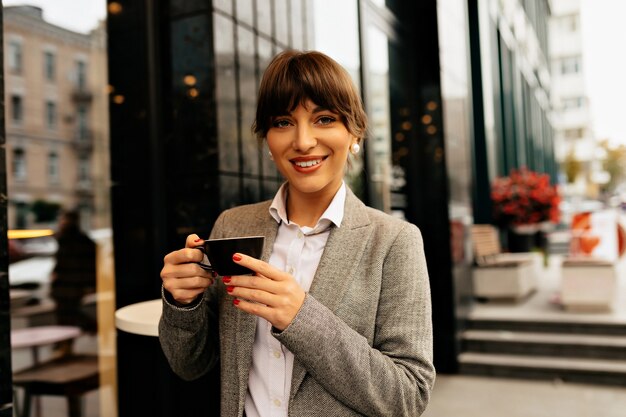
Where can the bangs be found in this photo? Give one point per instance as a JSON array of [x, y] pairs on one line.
[[293, 78], [299, 83]]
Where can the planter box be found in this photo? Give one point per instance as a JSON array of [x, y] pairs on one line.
[[588, 286], [504, 280]]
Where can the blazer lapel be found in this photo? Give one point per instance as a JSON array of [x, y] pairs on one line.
[[336, 270], [263, 225]]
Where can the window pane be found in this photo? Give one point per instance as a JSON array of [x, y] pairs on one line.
[[281, 20], [53, 167], [244, 11], [378, 144], [264, 16], [17, 111], [225, 91], [247, 98], [49, 66], [51, 115], [15, 57]]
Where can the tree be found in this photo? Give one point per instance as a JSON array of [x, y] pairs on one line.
[[615, 164], [572, 166]]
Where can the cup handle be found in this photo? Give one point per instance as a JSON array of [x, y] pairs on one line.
[[207, 266]]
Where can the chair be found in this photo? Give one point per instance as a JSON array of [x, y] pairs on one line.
[[70, 376], [498, 275]]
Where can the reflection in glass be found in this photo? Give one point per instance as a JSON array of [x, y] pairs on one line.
[[247, 97], [264, 17], [226, 93], [281, 21], [244, 11], [379, 141]]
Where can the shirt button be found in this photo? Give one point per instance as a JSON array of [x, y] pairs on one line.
[[277, 402], [290, 270], [300, 235], [276, 354]]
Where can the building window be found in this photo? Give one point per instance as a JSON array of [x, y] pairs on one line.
[[51, 115], [83, 170], [574, 133], [49, 66], [53, 167], [82, 124], [81, 75], [17, 109], [570, 65], [570, 23], [15, 57], [19, 164], [573, 102]]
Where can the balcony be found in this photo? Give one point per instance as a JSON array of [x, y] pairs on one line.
[[83, 140], [81, 94]]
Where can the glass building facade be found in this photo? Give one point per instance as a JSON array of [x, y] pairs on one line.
[[452, 98]]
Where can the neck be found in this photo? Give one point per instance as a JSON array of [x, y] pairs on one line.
[[306, 209]]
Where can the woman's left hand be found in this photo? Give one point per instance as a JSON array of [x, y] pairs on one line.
[[271, 293]]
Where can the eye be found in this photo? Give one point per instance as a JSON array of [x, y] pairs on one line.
[[325, 120], [280, 123]]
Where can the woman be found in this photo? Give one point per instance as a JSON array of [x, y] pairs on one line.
[[336, 320]]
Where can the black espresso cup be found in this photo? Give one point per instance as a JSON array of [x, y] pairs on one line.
[[220, 253]]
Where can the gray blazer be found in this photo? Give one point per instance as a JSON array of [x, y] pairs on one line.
[[362, 340]]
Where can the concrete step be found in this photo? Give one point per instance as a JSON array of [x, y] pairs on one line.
[[593, 371], [568, 325], [545, 344]]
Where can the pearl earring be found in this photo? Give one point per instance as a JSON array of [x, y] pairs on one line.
[[355, 148], [270, 154]]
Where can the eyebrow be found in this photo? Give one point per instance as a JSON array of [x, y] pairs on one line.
[[317, 109]]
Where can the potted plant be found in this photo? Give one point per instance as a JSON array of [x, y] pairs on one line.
[[525, 204]]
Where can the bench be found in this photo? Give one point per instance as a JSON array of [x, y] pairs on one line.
[[498, 275], [588, 284], [70, 376]]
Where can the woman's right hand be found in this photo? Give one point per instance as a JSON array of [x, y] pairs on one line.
[[182, 277]]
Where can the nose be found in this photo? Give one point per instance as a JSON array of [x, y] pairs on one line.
[[304, 138]]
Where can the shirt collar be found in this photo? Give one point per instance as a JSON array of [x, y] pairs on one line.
[[333, 213]]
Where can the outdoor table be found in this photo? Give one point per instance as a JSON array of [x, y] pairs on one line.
[[140, 318]]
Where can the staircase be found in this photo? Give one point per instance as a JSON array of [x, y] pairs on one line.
[[591, 351]]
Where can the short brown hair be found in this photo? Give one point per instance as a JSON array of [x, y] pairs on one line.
[[295, 76]]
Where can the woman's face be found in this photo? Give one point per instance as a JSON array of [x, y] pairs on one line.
[[310, 148]]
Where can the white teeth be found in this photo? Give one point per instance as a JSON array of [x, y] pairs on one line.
[[305, 164]]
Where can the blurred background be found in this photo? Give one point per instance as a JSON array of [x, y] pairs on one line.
[[496, 127]]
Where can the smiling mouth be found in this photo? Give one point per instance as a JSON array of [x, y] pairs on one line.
[[308, 163]]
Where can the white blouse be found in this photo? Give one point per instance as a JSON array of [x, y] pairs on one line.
[[296, 250]]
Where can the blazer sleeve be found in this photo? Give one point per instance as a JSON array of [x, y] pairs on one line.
[[189, 337], [394, 377]]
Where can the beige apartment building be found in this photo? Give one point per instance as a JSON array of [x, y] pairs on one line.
[[56, 120]]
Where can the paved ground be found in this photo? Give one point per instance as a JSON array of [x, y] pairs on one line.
[[469, 396]]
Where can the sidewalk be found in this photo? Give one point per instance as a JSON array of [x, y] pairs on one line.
[[477, 396], [469, 396]]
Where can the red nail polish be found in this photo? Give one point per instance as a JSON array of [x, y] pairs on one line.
[[197, 240], [226, 279], [230, 288], [236, 301], [236, 257]]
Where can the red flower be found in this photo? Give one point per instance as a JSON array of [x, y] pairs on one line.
[[524, 197]]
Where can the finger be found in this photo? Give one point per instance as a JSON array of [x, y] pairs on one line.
[[185, 270], [182, 256], [171, 284], [258, 296], [259, 282], [193, 241], [260, 267], [270, 314]]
